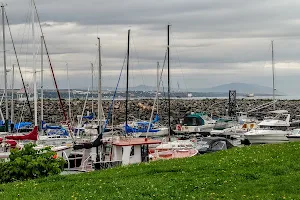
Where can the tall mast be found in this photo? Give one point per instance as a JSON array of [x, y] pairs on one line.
[[69, 92], [157, 85], [5, 69], [127, 75], [99, 85], [169, 102], [18, 63], [34, 66], [42, 80], [273, 71], [12, 96], [92, 66]]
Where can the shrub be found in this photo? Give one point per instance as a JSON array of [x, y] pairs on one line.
[[29, 163]]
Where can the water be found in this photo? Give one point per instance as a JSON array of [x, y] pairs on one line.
[[289, 97]]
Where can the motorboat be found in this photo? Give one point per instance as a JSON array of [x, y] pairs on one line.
[[139, 128], [175, 149], [235, 132], [213, 144], [196, 123], [271, 129]]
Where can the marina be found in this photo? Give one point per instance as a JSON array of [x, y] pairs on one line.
[[140, 108]]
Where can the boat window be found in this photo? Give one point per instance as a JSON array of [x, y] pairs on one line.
[[191, 121], [282, 128], [295, 131]]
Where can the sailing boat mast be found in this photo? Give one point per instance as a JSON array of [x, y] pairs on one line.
[[273, 72], [92, 66], [69, 92], [12, 97], [99, 86], [127, 75], [5, 70], [34, 66], [169, 102], [157, 86], [42, 81]]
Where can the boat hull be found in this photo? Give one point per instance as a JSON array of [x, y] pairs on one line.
[[267, 137], [197, 129], [161, 132], [293, 138]]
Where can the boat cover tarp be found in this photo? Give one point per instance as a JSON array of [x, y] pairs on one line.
[[90, 117], [88, 145], [45, 126], [142, 126], [62, 132], [20, 125], [33, 135], [55, 130], [211, 140]]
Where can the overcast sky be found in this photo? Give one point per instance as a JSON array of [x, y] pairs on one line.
[[213, 42]]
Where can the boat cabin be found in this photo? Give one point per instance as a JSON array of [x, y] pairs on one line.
[[196, 119], [132, 150]]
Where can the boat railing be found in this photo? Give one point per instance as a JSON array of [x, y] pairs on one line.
[[66, 158], [83, 164], [106, 164]]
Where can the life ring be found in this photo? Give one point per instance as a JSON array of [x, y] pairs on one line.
[[178, 127]]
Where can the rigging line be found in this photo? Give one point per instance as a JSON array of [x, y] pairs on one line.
[[138, 59], [54, 79], [173, 37], [156, 98], [131, 83], [24, 31], [113, 100], [18, 63], [162, 79]]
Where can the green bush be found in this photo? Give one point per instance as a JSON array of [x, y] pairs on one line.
[[29, 163]]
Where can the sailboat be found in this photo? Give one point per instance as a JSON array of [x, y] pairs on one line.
[[143, 128], [53, 134], [178, 148], [33, 135], [272, 129]]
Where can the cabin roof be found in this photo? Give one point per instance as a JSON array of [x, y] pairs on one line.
[[198, 115], [135, 141]]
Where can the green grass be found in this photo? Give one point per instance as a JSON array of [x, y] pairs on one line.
[[256, 172]]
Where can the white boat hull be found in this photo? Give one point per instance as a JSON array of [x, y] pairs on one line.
[[161, 132], [294, 138], [44, 140], [193, 129], [267, 136]]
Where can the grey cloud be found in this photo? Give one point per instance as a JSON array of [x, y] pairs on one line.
[[226, 37]]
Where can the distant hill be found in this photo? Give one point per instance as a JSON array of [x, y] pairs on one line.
[[136, 88], [242, 88]]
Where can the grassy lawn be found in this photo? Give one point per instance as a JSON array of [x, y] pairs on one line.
[[256, 172]]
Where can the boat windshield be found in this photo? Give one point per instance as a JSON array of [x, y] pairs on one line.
[[191, 121], [206, 118], [295, 131]]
